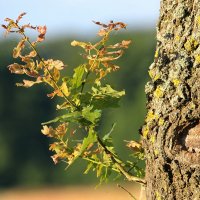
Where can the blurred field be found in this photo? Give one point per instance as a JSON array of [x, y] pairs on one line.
[[71, 193]]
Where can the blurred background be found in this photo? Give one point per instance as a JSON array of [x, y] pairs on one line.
[[24, 156]]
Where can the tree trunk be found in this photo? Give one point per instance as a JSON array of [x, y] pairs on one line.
[[171, 134]]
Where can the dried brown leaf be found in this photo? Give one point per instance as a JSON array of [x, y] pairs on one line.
[[62, 129], [119, 52], [4, 26], [8, 19], [28, 83], [101, 24], [20, 17], [16, 68], [126, 43], [121, 25], [54, 93], [51, 64], [48, 131], [135, 146], [28, 26], [31, 73], [42, 31], [17, 50], [55, 158], [102, 32]]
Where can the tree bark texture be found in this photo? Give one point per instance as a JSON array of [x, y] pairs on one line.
[[171, 133]]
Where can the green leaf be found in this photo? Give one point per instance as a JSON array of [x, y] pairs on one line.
[[105, 175], [99, 170], [76, 81], [108, 141], [69, 117], [91, 138], [102, 97], [107, 90], [107, 137], [106, 97], [91, 115], [88, 168]]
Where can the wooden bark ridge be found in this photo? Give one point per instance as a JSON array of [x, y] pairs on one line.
[[171, 134]]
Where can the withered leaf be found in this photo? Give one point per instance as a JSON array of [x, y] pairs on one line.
[[55, 74], [109, 58], [126, 43], [31, 73], [50, 63], [4, 26], [65, 89], [121, 25], [28, 83], [119, 52], [16, 68], [84, 45], [135, 146], [32, 54], [100, 24], [61, 129], [42, 31], [102, 32], [28, 26], [58, 64], [17, 50], [55, 158], [20, 17], [123, 44], [7, 19], [54, 93], [48, 131]]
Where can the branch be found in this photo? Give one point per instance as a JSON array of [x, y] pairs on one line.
[[123, 171], [51, 76]]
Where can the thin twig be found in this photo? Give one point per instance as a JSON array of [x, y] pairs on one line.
[[120, 186]]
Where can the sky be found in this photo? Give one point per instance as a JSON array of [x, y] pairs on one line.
[[62, 16]]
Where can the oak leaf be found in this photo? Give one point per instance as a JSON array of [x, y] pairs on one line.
[[17, 50], [102, 32], [135, 146], [48, 131], [42, 31], [28, 83], [50, 63], [16, 68], [20, 17]]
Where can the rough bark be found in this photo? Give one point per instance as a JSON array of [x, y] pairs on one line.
[[171, 134]]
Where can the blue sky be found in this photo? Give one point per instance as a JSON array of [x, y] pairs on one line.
[[62, 16]]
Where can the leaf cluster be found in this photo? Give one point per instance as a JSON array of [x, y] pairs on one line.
[[83, 97]]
